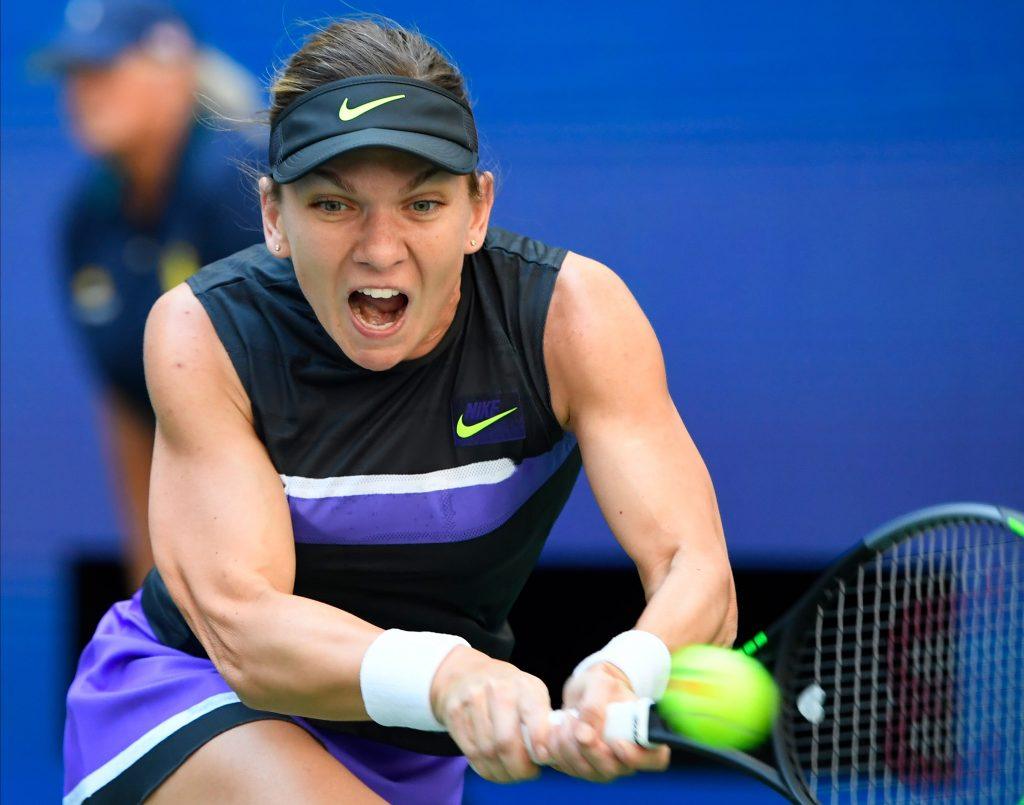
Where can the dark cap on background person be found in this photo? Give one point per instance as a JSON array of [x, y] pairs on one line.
[[96, 32]]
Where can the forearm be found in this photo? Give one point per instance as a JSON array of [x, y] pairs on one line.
[[673, 532], [691, 598], [293, 655]]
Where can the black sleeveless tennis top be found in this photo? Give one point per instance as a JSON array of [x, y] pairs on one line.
[[420, 496]]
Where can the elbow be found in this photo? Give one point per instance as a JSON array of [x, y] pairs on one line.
[[244, 663], [241, 679], [233, 654], [229, 658], [250, 692], [244, 677]]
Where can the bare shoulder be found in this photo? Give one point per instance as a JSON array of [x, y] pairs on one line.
[[186, 364], [585, 280], [595, 332]]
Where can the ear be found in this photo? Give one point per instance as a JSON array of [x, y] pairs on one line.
[[481, 214], [273, 226]]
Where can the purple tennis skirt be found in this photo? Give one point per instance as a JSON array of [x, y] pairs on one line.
[[137, 709]]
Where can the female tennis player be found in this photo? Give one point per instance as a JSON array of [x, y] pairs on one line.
[[366, 429]]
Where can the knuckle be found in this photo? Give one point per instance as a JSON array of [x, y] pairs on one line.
[[452, 711], [491, 771], [476, 699], [532, 773], [495, 691], [523, 771], [496, 686], [504, 744], [478, 691]]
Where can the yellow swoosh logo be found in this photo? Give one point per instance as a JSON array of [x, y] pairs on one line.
[[347, 114], [464, 431]]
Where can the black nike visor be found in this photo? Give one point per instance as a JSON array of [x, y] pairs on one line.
[[376, 111]]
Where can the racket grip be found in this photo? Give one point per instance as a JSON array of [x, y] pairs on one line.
[[623, 721]]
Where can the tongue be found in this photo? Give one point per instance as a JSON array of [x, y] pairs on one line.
[[377, 312], [385, 306]]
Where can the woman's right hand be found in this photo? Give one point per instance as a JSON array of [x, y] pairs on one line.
[[483, 702]]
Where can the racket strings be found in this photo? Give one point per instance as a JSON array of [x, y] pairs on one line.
[[910, 686]]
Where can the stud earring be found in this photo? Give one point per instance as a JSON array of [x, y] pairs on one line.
[[277, 247], [472, 243]]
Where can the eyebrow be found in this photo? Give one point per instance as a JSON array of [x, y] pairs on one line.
[[345, 187]]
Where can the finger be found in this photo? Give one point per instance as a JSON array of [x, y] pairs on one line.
[[600, 690], [571, 692], [564, 755], [486, 761], [508, 735], [640, 759], [597, 753], [568, 755]]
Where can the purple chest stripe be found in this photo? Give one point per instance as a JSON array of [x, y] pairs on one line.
[[444, 515]]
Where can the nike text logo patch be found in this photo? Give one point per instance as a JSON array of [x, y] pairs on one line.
[[487, 420]]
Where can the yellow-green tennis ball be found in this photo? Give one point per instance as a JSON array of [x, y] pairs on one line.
[[719, 697]]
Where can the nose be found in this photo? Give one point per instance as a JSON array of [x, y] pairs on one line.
[[380, 245]]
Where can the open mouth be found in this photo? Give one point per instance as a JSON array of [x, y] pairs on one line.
[[378, 310]]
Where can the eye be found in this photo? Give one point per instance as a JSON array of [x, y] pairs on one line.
[[330, 205], [423, 206]]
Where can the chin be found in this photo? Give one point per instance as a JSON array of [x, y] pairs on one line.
[[98, 144], [375, 361], [377, 358]]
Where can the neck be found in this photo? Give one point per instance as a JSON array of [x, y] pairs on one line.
[[148, 167], [447, 317]]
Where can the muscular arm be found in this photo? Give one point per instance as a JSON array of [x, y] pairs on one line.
[[222, 534], [608, 386]]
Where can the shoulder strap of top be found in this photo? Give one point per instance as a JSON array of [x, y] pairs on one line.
[[251, 298], [524, 272]]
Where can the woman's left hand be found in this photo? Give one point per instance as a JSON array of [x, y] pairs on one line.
[[577, 746]]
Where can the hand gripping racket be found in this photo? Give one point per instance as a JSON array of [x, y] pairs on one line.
[[901, 670]]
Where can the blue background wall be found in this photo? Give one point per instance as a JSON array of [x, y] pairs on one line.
[[820, 210]]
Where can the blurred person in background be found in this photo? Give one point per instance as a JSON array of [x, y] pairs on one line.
[[163, 197]]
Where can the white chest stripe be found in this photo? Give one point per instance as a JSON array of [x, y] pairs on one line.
[[479, 474]]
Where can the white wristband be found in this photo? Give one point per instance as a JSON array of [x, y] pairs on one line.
[[396, 674], [641, 656]]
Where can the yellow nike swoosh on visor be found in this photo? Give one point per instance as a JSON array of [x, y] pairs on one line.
[[347, 114], [464, 431]]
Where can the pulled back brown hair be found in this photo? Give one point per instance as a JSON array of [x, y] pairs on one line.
[[356, 47]]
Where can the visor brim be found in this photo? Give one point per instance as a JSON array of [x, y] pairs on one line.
[[66, 58], [446, 154]]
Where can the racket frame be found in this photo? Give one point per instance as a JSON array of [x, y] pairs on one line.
[[774, 645]]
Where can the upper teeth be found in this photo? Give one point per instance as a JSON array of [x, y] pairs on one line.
[[380, 293]]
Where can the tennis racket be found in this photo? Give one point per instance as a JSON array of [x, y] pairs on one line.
[[901, 670]]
